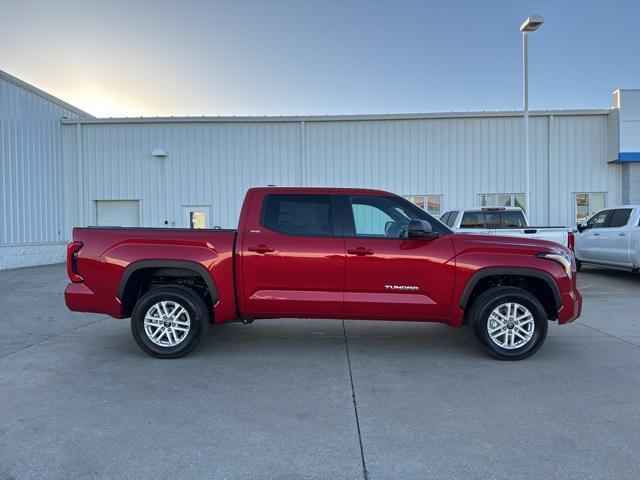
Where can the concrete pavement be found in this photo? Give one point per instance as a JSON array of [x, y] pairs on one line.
[[275, 399]]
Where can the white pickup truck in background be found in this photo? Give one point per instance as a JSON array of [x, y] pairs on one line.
[[611, 237], [507, 221]]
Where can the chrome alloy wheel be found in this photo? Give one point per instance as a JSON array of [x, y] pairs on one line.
[[167, 323], [511, 326]]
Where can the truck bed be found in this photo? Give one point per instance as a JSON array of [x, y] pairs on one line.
[[107, 253]]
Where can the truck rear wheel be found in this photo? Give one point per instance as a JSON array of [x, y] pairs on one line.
[[508, 322], [169, 322]]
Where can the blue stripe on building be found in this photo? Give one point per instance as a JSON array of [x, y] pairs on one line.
[[629, 157]]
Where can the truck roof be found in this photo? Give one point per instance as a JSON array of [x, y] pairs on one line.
[[620, 206], [320, 190], [487, 209]]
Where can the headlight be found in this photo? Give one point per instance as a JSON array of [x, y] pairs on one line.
[[564, 259]]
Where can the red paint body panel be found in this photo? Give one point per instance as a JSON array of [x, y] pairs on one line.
[[477, 252], [425, 264], [298, 269], [270, 274], [107, 252]]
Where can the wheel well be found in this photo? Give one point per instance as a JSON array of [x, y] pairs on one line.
[[539, 287], [144, 279]]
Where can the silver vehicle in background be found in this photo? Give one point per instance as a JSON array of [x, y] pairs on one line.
[[506, 221], [610, 237]]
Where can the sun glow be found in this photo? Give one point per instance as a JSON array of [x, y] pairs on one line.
[[104, 103]]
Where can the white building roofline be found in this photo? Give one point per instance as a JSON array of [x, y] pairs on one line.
[[333, 118], [42, 94]]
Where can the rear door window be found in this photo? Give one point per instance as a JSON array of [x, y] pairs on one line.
[[298, 214], [620, 217]]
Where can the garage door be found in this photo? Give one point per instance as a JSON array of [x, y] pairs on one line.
[[118, 213]]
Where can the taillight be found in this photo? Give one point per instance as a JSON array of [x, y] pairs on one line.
[[72, 262], [571, 241]]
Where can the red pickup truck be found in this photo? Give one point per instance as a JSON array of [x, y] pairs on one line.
[[322, 253]]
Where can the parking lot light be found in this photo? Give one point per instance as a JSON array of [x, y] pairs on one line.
[[531, 24]]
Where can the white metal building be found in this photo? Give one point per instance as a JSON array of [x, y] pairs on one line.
[[61, 167], [32, 225]]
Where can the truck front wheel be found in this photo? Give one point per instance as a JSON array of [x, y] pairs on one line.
[[169, 322], [508, 322]]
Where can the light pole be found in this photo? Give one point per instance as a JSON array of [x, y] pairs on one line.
[[531, 24]]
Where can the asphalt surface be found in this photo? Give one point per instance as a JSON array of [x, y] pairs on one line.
[[289, 399]]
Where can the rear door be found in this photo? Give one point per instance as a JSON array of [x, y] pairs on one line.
[[292, 257], [615, 238], [387, 274]]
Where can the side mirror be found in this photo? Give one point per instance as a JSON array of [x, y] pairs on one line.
[[582, 226], [420, 229]]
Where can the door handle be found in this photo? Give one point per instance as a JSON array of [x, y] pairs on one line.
[[360, 251], [622, 234], [260, 249], [596, 234]]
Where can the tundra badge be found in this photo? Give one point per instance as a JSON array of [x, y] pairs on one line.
[[401, 287]]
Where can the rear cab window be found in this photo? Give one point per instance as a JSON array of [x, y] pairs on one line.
[[512, 219], [298, 214], [493, 219], [473, 220]]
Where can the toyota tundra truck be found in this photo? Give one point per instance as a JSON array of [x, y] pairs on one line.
[[323, 253]]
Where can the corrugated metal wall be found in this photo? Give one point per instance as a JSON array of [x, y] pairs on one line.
[[31, 197], [207, 164], [213, 163]]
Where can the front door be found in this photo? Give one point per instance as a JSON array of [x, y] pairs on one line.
[[590, 243], [292, 258], [387, 274], [615, 238]]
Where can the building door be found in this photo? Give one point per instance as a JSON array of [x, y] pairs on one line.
[[196, 216], [118, 213]]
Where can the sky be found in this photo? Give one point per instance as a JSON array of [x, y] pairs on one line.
[[286, 57]]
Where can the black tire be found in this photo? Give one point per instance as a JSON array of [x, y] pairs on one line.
[[199, 319], [578, 265], [486, 302]]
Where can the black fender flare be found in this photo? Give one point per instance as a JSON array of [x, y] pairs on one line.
[[512, 271], [183, 264]]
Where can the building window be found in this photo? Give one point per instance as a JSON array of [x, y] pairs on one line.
[[196, 219], [587, 204], [503, 200], [431, 203]]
